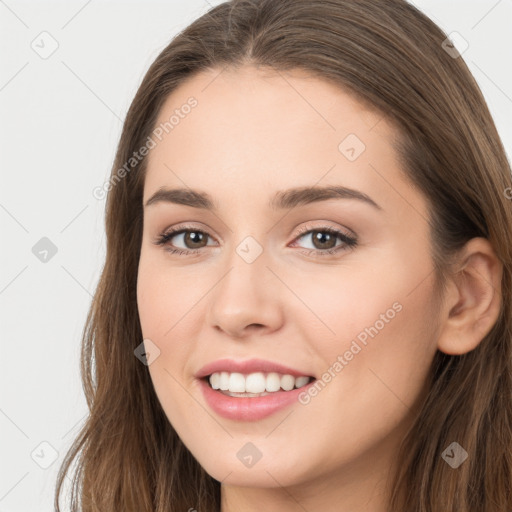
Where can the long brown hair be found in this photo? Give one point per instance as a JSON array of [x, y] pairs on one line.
[[390, 56]]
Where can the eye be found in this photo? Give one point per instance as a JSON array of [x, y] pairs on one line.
[[324, 239], [193, 238]]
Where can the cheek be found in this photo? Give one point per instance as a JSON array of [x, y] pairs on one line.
[[165, 303], [379, 362], [380, 315], [164, 296]]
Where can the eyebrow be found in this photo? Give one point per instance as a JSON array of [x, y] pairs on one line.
[[283, 199]]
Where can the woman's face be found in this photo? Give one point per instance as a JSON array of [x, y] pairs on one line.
[[265, 281]]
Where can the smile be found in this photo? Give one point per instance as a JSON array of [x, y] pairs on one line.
[[250, 406], [255, 384]]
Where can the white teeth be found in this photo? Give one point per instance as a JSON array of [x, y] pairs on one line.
[[273, 382], [287, 382], [215, 380], [237, 383], [301, 381], [224, 381], [255, 382]]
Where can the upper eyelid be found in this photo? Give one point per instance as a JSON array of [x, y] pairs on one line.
[[344, 230]]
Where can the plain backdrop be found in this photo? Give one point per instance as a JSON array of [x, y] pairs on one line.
[[68, 73]]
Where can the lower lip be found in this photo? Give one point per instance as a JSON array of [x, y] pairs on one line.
[[246, 408]]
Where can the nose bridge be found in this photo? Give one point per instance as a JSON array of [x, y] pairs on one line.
[[247, 264], [245, 294]]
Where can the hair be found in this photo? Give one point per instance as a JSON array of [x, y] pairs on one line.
[[389, 56]]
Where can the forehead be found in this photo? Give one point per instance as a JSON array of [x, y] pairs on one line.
[[255, 131], [258, 104]]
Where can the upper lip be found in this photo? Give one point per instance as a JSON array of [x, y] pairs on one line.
[[246, 367]]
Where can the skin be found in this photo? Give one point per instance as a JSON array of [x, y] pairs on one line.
[[251, 134]]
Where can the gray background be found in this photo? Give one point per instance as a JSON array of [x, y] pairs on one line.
[[61, 117]]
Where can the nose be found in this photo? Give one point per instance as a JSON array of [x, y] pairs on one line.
[[246, 299]]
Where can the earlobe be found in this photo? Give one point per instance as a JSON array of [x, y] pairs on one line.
[[473, 298]]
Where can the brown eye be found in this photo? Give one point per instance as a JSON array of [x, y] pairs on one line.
[[194, 239], [184, 239], [323, 239]]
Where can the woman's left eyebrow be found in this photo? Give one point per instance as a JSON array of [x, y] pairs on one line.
[[286, 199], [283, 199]]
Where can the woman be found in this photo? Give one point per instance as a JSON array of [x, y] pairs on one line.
[[308, 253]]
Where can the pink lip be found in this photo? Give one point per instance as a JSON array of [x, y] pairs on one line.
[[246, 367], [246, 408]]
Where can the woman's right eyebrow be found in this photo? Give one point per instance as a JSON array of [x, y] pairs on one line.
[[282, 200]]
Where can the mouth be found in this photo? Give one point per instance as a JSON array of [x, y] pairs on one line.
[[254, 385], [251, 391]]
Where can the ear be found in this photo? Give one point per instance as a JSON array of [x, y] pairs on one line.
[[473, 298]]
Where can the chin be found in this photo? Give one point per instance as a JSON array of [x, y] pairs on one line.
[[278, 472]]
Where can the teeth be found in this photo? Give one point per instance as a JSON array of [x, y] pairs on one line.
[[273, 382], [255, 382], [236, 383]]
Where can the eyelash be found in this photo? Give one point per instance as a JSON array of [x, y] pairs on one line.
[[349, 241]]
